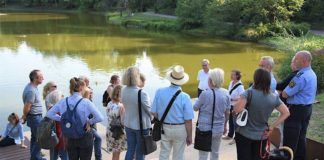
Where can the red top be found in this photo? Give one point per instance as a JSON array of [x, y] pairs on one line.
[[62, 140]]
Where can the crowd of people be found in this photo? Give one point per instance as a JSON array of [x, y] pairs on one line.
[[78, 137]]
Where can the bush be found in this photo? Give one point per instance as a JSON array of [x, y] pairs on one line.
[[191, 13], [165, 6]]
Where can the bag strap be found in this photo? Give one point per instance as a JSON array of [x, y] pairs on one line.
[[169, 106], [214, 106], [237, 85], [140, 110], [68, 107]]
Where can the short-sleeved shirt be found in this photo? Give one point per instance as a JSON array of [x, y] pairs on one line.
[[180, 111], [203, 80], [259, 110], [273, 84], [236, 92], [32, 95], [302, 88], [205, 106]]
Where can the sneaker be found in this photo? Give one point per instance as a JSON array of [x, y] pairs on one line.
[[227, 138], [232, 142]]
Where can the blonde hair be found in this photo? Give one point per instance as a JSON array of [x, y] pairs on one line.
[[54, 97], [76, 84], [131, 76], [216, 77], [116, 93], [46, 89]]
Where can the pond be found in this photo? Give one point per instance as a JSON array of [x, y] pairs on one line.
[[68, 45]]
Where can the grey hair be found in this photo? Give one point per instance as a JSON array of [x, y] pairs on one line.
[[306, 54], [216, 76], [131, 76], [54, 97], [269, 60]]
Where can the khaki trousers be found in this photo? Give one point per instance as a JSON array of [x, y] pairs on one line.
[[174, 138]]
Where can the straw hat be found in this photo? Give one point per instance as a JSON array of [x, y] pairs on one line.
[[177, 75]]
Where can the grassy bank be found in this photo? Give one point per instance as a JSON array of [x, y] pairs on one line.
[[316, 125]]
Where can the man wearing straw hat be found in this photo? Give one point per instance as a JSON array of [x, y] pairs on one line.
[[177, 126]]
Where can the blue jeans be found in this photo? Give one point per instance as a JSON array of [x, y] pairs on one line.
[[97, 144], [134, 144], [55, 154], [33, 122]]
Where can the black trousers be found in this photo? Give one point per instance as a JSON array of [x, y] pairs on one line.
[[7, 141], [80, 149], [248, 149], [231, 124], [199, 92], [295, 129]]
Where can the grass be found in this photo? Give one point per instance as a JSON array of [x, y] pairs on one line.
[[316, 124]]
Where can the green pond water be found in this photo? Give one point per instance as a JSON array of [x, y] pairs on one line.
[[68, 45]]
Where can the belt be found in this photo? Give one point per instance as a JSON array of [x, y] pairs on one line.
[[173, 124], [34, 115], [299, 105]]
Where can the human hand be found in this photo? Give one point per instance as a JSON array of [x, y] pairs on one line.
[[268, 132], [23, 119], [23, 146], [87, 127], [189, 140]]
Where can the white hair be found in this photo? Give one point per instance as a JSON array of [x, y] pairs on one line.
[[217, 77], [269, 60], [205, 61], [54, 97]]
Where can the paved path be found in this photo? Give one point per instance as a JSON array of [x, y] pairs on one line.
[[159, 15]]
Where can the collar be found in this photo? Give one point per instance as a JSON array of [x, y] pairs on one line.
[[76, 94], [305, 69], [175, 86], [239, 81]]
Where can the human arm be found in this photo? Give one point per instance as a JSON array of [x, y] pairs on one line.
[[5, 133], [227, 112], [200, 101], [284, 83], [188, 125], [284, 114], [122, 113], [154, 105], [97, 116], [295, 85], [110, 90], [21, 136], [52, 112], [146, 103]]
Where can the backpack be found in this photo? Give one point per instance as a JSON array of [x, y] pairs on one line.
[[105, 99], [46, 136], [71, 123]]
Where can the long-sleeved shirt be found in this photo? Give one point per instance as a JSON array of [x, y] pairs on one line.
[[84, 109], [14, 132]]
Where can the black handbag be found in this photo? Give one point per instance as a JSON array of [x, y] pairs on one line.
[[158, 125], [147, 143], [203, 139]]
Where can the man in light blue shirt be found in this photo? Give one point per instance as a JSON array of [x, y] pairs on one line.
[[177, 125], [300, 94], [267, 63]]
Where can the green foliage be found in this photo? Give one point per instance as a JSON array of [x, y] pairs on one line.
[[312, 11], [191, 13], [293, 44], [165, 6]]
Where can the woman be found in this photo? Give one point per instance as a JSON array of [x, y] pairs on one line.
[[205, 105], [262, 103], [129, 97], [81, 147], [14, 133], [48, 88], [60, 149], [114, 81], [115, 135], [235, 89]]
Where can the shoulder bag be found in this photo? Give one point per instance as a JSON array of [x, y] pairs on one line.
[[203, 139], [147, 143], [158, 125], [242, 117]]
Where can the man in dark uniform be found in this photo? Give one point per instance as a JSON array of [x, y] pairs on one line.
[[300, 94]]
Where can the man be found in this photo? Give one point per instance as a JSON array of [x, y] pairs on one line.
[[97, 139], [177, 125], [203, 76], [300, 94], [32, 112], [267, 63]]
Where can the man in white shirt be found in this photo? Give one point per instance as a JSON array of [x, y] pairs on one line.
[[203, 76]]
